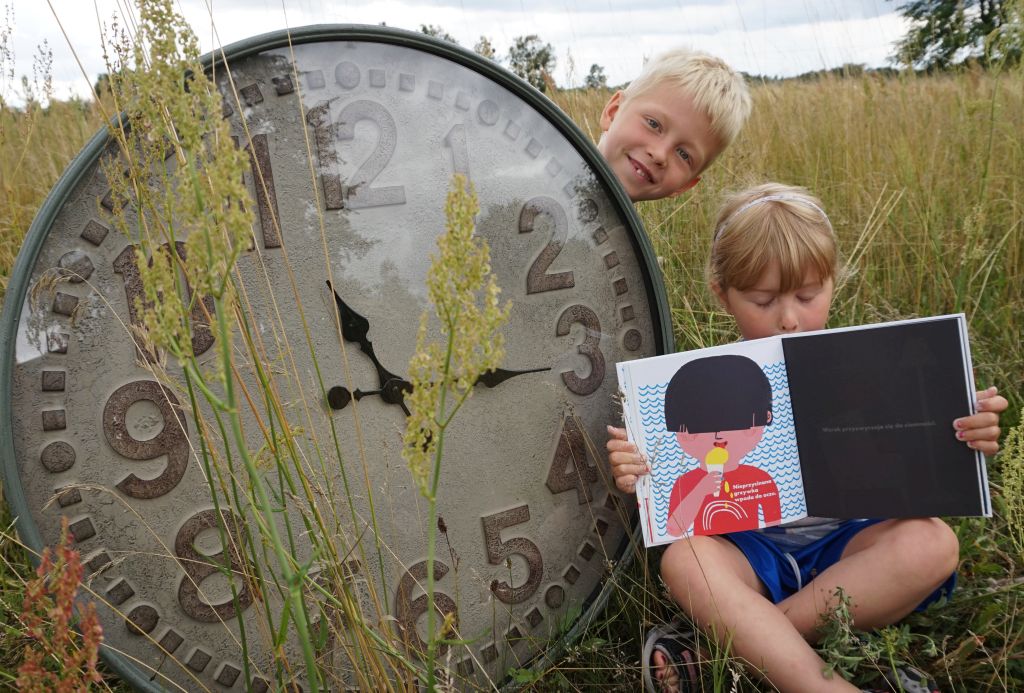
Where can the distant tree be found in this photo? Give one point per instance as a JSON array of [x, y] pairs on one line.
[[944, 33], [102, 85], [596, 79], [437, 32], [485, 48], [532, 60]]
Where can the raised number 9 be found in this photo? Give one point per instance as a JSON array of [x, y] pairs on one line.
[[171, 441]]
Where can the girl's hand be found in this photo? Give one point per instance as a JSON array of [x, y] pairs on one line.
[[627, 463], [981, 431]]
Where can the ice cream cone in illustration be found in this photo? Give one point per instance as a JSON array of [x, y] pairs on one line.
[[714, 462]]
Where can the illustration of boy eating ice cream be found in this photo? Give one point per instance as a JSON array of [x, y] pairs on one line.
[[717, 407]]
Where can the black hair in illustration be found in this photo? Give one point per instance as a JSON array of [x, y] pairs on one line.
[[718, 393]]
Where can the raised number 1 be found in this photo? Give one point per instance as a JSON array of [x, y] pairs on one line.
[[455, 140]]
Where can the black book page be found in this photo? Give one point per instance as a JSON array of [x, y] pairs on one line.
[[874, 411]]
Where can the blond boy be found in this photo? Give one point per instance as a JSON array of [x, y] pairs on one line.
[[663, 130]]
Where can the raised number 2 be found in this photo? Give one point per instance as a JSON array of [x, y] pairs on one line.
[[537, 278]]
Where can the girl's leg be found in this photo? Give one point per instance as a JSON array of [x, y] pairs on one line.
[[887, 569], [713, 582]]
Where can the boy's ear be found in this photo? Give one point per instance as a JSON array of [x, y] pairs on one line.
[[769, 419], [610, 110]]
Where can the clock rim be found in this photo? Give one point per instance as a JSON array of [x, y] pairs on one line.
[[38, 232]]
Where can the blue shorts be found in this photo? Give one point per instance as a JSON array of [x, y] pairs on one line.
[[779, 574]]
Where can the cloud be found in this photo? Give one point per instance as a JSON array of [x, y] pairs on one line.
[[771, 37]]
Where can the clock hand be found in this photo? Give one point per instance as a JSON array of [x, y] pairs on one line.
[[356, 328], [393, 392], [500, 375], [338, 397]]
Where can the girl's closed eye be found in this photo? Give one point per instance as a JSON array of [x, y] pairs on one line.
[[809, 293], [761, 300]]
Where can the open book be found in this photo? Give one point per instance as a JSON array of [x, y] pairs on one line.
[[845, 423]]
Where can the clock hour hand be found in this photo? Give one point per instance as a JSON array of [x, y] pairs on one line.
[[500, 375], [356, 328]]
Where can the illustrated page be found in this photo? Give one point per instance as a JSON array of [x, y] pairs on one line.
[[717, 429]]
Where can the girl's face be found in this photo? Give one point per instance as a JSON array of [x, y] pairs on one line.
[[764, 310]]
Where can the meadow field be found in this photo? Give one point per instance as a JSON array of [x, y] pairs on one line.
[[923, 177]]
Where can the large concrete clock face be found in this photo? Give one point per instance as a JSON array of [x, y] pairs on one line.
[[357, 133]]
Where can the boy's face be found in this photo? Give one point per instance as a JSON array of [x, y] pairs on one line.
[[734, 445], [765, 311], [656, 142]]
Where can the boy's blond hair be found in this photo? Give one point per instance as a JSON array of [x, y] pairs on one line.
[[716, 89], [772, 223]]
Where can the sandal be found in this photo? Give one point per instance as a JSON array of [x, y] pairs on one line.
[[903, 679], [677, 644]]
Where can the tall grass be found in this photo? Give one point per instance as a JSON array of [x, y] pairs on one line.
[[922, 179]]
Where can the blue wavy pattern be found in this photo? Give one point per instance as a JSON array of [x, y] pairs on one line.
[[776, 453]]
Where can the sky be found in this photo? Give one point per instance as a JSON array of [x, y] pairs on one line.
[[763, 37]]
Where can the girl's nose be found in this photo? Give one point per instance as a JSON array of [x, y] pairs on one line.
[[788, 321]]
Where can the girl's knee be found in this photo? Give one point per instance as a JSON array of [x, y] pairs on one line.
[[682, 567], [930, 544], [690, 566], [689, 554]]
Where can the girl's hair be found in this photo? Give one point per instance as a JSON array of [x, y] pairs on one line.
[[772, 223]]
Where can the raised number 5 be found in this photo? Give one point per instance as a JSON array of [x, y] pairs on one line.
[[498, 551]]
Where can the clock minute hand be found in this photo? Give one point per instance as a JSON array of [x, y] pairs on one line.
[[500, 375]]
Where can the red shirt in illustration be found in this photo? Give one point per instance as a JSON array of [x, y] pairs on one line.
[[735, 508]]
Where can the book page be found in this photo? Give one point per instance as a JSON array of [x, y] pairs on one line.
[[717, 430], [874, 409]]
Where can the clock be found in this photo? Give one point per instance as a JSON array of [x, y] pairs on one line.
[[354, 134]]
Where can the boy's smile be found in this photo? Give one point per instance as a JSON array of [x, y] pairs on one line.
[[656, 142]]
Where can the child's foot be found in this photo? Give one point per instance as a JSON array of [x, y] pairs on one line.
[[903, 679], [670, 660]]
